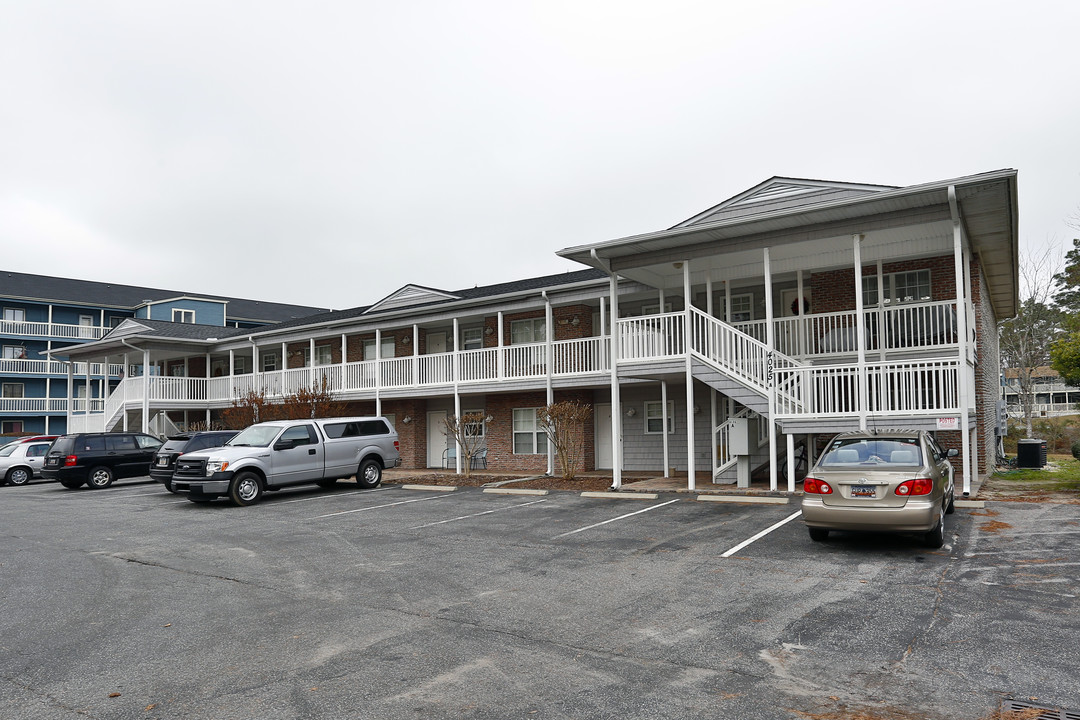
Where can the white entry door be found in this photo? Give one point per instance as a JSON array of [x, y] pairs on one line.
[[602, 436], [436, 438]]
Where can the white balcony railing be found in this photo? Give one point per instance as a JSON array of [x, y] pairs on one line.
[[21, 366], [48, 405], [52, 330]]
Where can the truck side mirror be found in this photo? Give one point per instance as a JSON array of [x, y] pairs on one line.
[[284, 444]]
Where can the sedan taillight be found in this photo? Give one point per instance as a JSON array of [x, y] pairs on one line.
[[813, 486], [918, 486]]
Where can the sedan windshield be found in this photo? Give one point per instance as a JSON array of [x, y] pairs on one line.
[[850, 452], [255, 436]]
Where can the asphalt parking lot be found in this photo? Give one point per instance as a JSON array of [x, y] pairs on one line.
[[130, 602]]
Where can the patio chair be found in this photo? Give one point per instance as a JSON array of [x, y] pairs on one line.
[[449, 458], [479, 460]]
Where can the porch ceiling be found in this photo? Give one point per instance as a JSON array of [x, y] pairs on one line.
[[819, 236]]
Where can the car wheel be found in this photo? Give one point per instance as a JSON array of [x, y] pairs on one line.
[[818, 534], [100, 477], [72, 484], [370, 474], [245, 489], [18, 476], [936, 537]]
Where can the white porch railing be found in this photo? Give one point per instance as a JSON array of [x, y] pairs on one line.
[[48, 405], [652, 337], [53, 330], [21, 366]]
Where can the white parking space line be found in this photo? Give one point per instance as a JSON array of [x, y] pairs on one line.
[[761, 534], [466, 517], [621, 517], [385, 505]]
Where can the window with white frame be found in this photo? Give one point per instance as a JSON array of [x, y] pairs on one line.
[[386, 351], [472, 338], [14, 390], [14, 352], [241, 364], [899, 288], [475, 429], [324, 354], [14, 314], [177, 370], [183, 316], [270, 360], [654, 418], [655, 309], [86, 320], [306, 354], [742, 308], [529, 438], [533, 330]]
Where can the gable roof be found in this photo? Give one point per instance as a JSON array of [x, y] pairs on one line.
[[411, 295], [46, 288], [782, 193]]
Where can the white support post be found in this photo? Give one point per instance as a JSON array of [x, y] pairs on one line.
[[549, 362], [664, 419], [962, 343], [123, 402], [802, 345], [146, 391], [770, 342], [790, 460], [378, 372], [232, 363], [70, 392], [882, 335], [860, 329], [311, 361], [691, 465], [713, 421], [500, 357], [616, 403]]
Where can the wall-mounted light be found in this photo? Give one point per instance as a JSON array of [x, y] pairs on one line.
[[406, 420], [575, 322], [697, 409], [406, 340], [488, 419], [489, 330], [631, 412]]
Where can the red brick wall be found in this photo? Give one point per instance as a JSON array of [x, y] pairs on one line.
[[834, 290]]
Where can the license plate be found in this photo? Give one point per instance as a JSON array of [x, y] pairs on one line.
[[862, 491], [163, 462]]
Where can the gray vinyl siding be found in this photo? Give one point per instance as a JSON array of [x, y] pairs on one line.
[[645, 452]]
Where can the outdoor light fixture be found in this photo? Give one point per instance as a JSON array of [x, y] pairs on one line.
[[489, 331], [631, 412], [406, 420]]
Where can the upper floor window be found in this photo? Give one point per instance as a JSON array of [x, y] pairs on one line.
[[270, 361], [14, 390], [15, 314], [472, 338], [903, 287], [324, 355], [183, 316], [533, 330], [386, 352], [14, 352], [742, 308]]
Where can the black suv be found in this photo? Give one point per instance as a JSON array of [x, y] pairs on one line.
[[96, 459], [164, 463]]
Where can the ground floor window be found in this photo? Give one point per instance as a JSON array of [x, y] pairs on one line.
[[529, 439], [654, 417]]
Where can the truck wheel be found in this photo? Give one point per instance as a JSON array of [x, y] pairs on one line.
[[18, 476], [100, 477], [72, 484], [370, 474], [245, 489]]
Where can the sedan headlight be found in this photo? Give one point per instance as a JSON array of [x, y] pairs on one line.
[[215, 466]]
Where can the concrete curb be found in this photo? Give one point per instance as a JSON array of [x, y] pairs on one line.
[[744, 499], [969, 503], [514, 491], [436, 488], [621, 495]]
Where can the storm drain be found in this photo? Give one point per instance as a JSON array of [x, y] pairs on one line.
[[1047, 713]]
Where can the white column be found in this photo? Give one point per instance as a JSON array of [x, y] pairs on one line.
[[664, 418], [770, 342], [713, 420], [791, 459], [882, 334], [801, 343], [459, 465], [549, 353], [123, 401], [232, 362], [378, 371], [860, 330], [499, 357], [962, 338], [146, 391], [691, 465], [616, 404], [70, 392]]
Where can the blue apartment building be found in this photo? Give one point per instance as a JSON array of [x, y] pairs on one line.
[[45, 316]]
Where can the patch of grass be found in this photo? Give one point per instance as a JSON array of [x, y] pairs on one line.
[[1062, 474]]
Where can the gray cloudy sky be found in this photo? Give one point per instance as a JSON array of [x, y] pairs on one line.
[[327, 153]]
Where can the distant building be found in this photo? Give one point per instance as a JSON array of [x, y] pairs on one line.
[[1052, 396], [44, 316]]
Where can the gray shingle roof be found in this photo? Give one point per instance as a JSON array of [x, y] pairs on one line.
[[98, 294]]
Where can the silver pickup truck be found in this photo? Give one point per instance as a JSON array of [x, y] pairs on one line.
[[283, 453]]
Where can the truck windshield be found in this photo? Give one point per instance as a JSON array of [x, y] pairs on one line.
[[255, 436]]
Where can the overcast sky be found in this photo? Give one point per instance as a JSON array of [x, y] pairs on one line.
[[328, 153]]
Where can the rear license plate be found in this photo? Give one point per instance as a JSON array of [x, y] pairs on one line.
[[862, 491], [163, 462]]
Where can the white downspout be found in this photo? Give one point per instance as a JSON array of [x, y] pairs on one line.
[[664, 420], [457, 399], [962, 338], [691, 465], [616, 405]]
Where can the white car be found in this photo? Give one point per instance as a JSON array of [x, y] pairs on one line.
[[20, 461]]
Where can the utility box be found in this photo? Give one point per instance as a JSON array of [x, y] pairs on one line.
[[740, 436]]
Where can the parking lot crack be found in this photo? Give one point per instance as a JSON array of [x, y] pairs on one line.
[[149, 563], [46, 696]]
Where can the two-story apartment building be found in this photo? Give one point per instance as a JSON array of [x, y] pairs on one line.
[[45, 316], [716, 348]]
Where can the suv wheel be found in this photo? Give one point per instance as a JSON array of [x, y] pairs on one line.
[[245, 489], [100, 477]]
